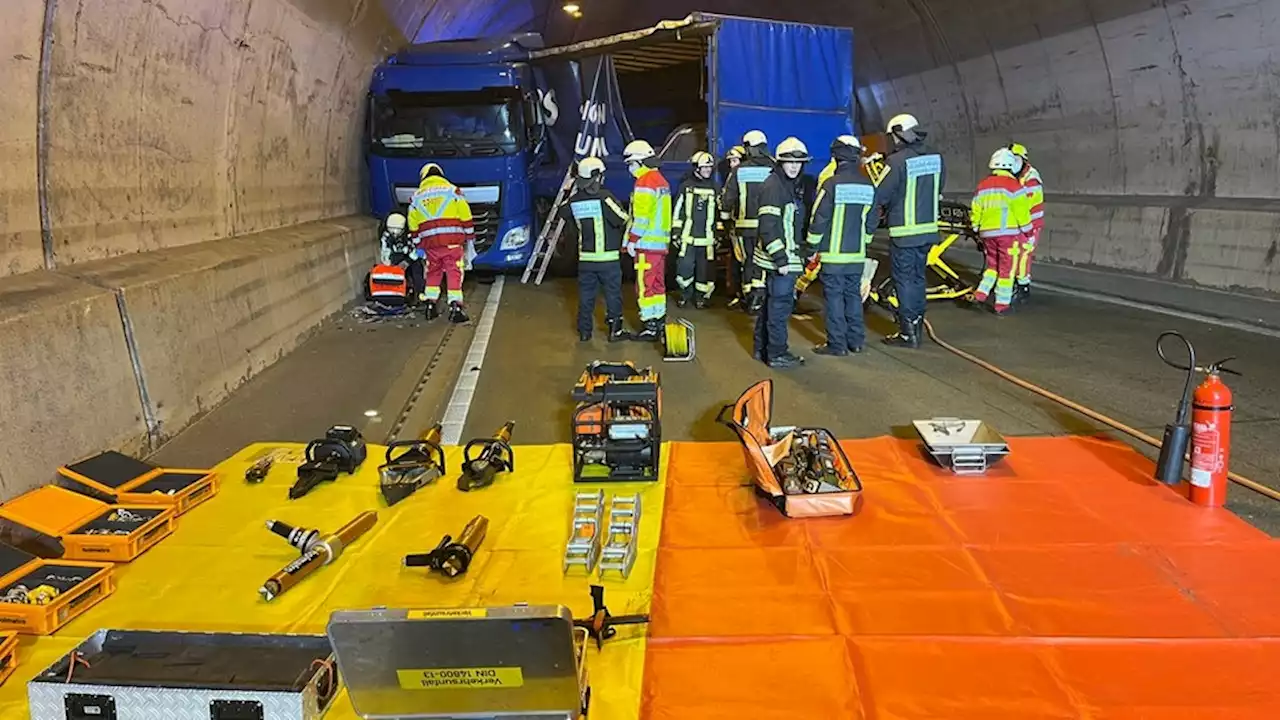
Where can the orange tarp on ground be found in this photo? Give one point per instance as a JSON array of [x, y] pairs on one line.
[[1063, 584]]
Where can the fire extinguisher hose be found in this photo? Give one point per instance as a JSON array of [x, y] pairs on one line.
[[1091, 414]]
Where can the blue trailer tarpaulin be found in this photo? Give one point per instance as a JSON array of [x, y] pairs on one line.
[[591, 120], [784, 79]]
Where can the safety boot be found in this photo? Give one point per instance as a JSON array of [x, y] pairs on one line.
[[682, 301], [701, 303], [457, 315], [786, 361], [584, 336], [908, 335], [829, 349], [652, 332], [617, 333], [433, 310]]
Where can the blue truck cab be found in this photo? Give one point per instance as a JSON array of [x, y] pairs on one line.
[[470, 106]]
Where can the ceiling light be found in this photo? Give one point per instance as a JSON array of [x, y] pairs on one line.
[[573, 8]]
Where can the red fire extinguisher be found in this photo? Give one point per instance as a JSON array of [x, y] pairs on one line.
[[1211, 438]]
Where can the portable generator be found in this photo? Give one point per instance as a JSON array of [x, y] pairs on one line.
[[617, 428]]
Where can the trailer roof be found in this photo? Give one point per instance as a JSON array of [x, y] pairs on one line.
[[672, 42]]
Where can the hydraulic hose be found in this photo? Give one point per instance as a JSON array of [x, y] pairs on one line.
[[1091, 414]]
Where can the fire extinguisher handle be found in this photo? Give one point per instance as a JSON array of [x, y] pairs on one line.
[[1221, 367]]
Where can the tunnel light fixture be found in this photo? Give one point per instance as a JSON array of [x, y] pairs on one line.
[[573, 8]]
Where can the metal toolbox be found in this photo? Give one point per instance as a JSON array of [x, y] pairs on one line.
[[966, 447], [147, 675], [520, 662]]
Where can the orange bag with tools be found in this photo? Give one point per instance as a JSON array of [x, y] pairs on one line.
[[388, 285], [803, 471]]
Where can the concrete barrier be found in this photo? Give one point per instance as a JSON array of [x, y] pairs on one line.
[[124, 353], [66, 385]]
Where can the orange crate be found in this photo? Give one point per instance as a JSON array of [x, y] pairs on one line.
[[56, 522], [8, 655], [39, 596], [117, 478]]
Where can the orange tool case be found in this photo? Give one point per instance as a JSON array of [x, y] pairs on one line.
[[803, 471], [8, 655], [56, 522], [39, 596], [117, 478]]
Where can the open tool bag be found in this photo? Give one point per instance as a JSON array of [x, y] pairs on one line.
[[803, 471]]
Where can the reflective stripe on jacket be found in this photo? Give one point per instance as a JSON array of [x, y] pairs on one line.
[[439, 215], [910, 192], [1000, 207], [601, 222], [650, 212], [838, 230], [781, 222], [741, 200], [1030, 179], [693, 221]]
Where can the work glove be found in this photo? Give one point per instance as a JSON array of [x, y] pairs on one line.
[[418, 254]]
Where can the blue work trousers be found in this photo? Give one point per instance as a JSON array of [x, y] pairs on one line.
[[593, 277], [771, 323], [843, 294], [907, 265]]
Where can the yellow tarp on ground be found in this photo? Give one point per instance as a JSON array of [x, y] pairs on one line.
[[206, 576]]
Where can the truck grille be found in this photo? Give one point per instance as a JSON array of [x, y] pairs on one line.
[[485, 216]]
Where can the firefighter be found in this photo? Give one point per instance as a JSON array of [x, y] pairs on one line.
[[693, 232], [648, 237], [1001, 215], [601, 223], [396, 248], [1030, 179], [440, 222], [740, 207], [838, 234], [777, 252], [733, 280], [909, 193]]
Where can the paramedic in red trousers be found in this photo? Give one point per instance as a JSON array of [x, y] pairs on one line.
[[1001, 215], [440, 222], [693, 231], [740, 207], [782, 218], [1030, 179], [648, 238], [601, 223], [838, 234], [909, 193]]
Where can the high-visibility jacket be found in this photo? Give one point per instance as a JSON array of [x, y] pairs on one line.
[[1000, 207], [740, 203], [827, 173], [910, 192], [838, 230], [693, 221], [439, 215], [1030, 179], [601, 223], [781, 224], [650, 212]]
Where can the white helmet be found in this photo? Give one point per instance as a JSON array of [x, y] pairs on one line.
[[590, 167], [792, 150], [702, 159], [850, 140], [1003, 159], [754, 138], [906, 127], [396, 223], [638, 151]]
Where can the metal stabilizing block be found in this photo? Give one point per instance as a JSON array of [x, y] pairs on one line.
[[619, 552], [583, 547]]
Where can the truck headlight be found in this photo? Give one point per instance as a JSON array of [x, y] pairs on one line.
[[516, 238]]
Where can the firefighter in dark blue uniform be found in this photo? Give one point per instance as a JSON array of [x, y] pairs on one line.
[[909, 194], [693, 231], [777, 253], [838, 235], [739, 209], [601, 224]]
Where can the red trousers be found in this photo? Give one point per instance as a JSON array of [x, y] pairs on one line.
[[651, 284], [445, 263], [1002, 263]]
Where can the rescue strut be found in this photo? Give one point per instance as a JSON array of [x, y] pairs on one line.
[[495, 455]]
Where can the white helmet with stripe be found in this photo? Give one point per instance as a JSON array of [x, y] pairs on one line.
[[1003, 159], [590, 167], [792, 150], [637, 151], [754, 138]]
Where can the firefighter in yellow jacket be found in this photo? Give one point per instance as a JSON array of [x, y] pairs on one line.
[[649, 236], [440, 223]]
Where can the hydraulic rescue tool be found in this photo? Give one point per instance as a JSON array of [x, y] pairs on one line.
[[257, 472], [1203, 421], [619, 552], [299, 537], [341, 450], [617, 428], [410, 465], [602, 625], [495, 455], [453, 557], [318, 555]]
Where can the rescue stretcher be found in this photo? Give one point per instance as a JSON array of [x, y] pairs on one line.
[[953, 224]]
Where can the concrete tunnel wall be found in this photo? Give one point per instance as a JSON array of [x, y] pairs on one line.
[[1155, 123], [178, 207]]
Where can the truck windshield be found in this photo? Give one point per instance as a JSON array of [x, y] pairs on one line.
[[445, 124]]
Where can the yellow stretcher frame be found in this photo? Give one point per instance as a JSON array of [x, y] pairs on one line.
[[951, 285]]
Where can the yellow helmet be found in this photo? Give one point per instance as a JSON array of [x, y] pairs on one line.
[[792, 150], [1020, 150], [429, 170], [702, 159]]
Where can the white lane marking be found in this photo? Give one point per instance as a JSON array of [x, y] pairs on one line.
[[1206, 319], [455, 415]]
